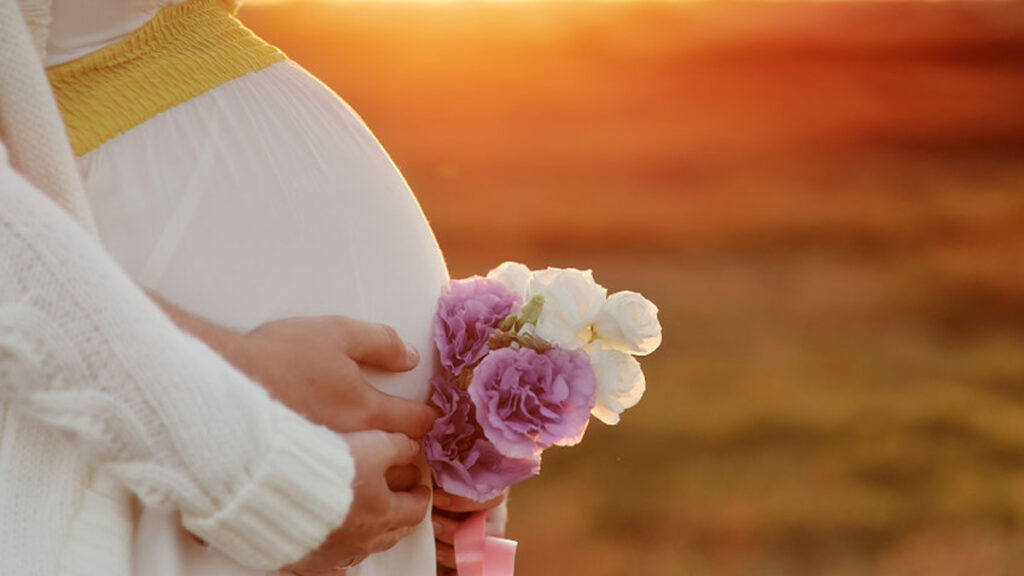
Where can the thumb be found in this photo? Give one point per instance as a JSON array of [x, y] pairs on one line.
[[379, 345]]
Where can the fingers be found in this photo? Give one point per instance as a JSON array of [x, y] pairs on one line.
[[444, 528], [403, 449], [379, 345], [388, 539], [453, 503], [394, 414], [445, 555], [379, 516], [445, 525], [376, 452], [402, 478], [409, 508]]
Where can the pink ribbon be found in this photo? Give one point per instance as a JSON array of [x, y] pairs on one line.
[[477, 554]]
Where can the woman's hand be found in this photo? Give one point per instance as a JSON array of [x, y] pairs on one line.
[[380, 515], [312, 365], [448, 513]]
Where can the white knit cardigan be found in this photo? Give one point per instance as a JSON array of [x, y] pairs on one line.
[[103, 399]]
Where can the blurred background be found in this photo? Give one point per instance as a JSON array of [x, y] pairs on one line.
[[826, 200]]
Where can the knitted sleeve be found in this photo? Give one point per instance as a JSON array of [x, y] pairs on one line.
[[82, 350]]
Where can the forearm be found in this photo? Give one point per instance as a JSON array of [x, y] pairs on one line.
[[83, 351], [226, 342]]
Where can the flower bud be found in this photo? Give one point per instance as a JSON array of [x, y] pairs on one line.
[[513, 275], [620, 382], [628, 322]]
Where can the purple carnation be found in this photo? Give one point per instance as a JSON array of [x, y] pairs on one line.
[[467, 313], [464, 462], [527, 400]]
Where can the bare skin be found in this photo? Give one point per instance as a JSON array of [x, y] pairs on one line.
[[312, 365], [379, 516], [449, 512]]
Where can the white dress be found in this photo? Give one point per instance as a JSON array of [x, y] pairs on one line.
[[264, 198]]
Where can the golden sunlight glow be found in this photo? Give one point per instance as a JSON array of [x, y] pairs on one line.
[[587, 1]]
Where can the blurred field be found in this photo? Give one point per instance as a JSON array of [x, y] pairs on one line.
[[827, 203]]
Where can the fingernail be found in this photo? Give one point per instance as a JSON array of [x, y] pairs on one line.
[[437, 527], [411, 355]]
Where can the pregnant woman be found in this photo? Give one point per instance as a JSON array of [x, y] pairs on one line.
[[232, 184]]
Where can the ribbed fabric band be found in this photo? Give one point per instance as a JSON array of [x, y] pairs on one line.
[[101, 535], [184, 51], [303, 475]]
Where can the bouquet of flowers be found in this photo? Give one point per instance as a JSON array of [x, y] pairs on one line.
[[527, 357]]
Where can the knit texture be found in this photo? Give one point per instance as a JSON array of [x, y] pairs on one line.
[[37, 16], [99, 390], [29, 121], [184, 51]]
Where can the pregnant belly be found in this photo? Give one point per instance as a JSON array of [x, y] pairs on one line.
[[267, 198]]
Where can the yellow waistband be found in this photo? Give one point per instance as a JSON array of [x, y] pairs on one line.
[[187, 49]]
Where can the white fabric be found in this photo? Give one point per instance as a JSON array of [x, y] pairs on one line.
[[36, 14], [84, 26], [99, 391], [264, 198], [30, 124]]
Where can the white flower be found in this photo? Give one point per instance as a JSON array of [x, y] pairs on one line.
[[571, 302], [628, 322], [513, 275], [620, 382]]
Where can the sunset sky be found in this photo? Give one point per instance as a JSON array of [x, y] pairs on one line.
[[580, 1], [824, 200]]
